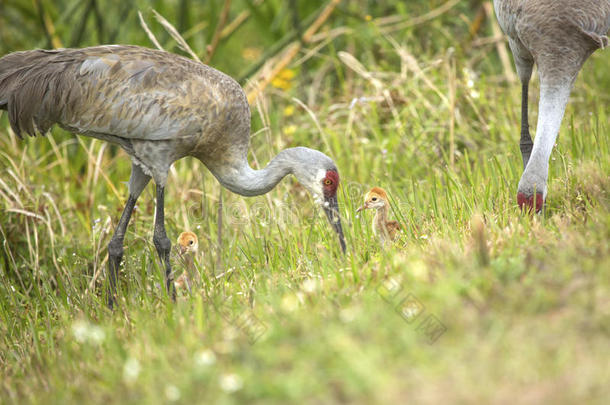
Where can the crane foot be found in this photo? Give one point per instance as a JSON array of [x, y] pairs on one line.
[[527, 203]]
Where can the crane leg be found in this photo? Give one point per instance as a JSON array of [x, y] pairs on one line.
[[532, 186], [162, 242], [115, 249], [137, 182], [525, 144], [524, 62]]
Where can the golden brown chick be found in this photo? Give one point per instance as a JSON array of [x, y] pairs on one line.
[[377, 199], [188, 246], [188, 243]]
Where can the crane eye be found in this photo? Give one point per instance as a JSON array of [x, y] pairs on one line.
[[191, 242], [374, 199], [328, 182]]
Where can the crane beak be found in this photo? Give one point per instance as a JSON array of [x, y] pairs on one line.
[[331, 208]]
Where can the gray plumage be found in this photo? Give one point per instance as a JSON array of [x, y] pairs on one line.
[[159, 107], [557, 35]]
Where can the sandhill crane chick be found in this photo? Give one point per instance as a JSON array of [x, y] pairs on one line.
[[385, 230], [188, 243], [188, 246]]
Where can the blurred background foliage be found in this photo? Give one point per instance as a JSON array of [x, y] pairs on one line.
[[252, 32]]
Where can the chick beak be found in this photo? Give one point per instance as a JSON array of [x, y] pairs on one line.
[[331, 208], [182, 249], [365, 206]]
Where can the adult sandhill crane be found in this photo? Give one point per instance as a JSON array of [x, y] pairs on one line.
[[557, 35], [159, 107], [384, 229]]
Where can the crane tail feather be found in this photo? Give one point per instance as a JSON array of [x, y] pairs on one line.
[[599, 41], [30, 90]]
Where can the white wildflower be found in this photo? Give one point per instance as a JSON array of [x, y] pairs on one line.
[[231, 382], [131, 370], [79, 330], [347, 314], [205, 358], [172, 393], [310, 285], [96, 334], [290, 302], [85, 331]]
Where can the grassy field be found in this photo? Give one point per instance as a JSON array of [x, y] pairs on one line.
[[477, 303]]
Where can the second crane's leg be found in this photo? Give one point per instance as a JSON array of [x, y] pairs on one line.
[[524, 62], [137, 182], [525, 144], [162, 242]]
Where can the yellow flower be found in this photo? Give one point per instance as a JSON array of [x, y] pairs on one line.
[[280, 83], [288, 111], [289, 129], [283, 79], [286, 74], [368, 17]]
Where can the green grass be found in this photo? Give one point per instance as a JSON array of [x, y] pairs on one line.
[[291, 320]]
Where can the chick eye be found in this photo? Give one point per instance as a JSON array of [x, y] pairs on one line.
[[191, 242], [328, 182], [374, 199]]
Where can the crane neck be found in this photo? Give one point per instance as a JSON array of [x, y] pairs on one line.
[[244, 180]]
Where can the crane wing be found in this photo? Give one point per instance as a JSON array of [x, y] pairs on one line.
[[125, 91]]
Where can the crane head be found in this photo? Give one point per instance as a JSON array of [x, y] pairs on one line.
[[330, 183], [376, 198], [188, 243], [319, 175]]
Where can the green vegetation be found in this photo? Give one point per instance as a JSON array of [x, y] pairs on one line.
[[281, 316]]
